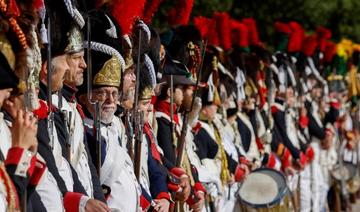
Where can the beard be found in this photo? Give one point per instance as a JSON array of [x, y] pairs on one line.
[[129, 95], [106, 117], [107, 114]]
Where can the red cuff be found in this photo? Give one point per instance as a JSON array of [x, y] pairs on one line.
[[14, 156], [302, 159], [304, 121], [271, 161], [173, 187], [310, 154], [243, 160], [164, 195], [72, 201], [144, 203], [286, 159], [39, 169], [177, 171], [199, 187], [32, 166], [239, 173]]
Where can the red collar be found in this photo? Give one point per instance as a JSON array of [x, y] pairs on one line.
[[163, 106]]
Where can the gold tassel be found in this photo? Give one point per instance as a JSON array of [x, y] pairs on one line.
[[225, 174]]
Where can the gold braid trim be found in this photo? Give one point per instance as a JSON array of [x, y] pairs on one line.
[[11, 198]]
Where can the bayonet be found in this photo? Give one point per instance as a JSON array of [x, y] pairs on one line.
[[181, 143], [137, 117]]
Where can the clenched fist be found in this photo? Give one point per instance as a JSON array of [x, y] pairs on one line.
[[23, 131]]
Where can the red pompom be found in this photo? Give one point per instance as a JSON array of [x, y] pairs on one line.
[[213, 36], [37, 4], [296, 37], [253, 32], [151, 7], [203, 25], [330, 51], [239, 34], [13, 9], [180, 14], [282, 28], [310, 45], [223, 29], [126, 12], [323, 35]]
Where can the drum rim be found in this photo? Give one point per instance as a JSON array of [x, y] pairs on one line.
[[278, 197]]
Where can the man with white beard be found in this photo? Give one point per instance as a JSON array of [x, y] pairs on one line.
[[117, 177]]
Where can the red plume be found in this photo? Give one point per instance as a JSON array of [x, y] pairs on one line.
[[37, 4], [282, 28], [253, 32], [323, 35], [180, 14], [239, 34], [151, 7], [126, 12], [213, 36], [223, 29], [202, 24], [296, 37], [310, 45], [330, 51]]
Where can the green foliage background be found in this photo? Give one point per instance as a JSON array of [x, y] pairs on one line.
[[341, 16]]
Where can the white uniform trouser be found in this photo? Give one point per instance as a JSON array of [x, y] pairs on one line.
[[305, 189], [228, 200], [317, 178]]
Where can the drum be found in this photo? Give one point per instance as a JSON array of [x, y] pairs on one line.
[[347, 172], [263, 188]]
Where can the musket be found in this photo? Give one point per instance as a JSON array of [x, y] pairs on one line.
[[172, 109], [96, 104], [50, 117], [129, 134], [137, 117], [66, 117], [181, 142]]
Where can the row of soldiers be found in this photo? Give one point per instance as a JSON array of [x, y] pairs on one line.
[[100, 112]]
